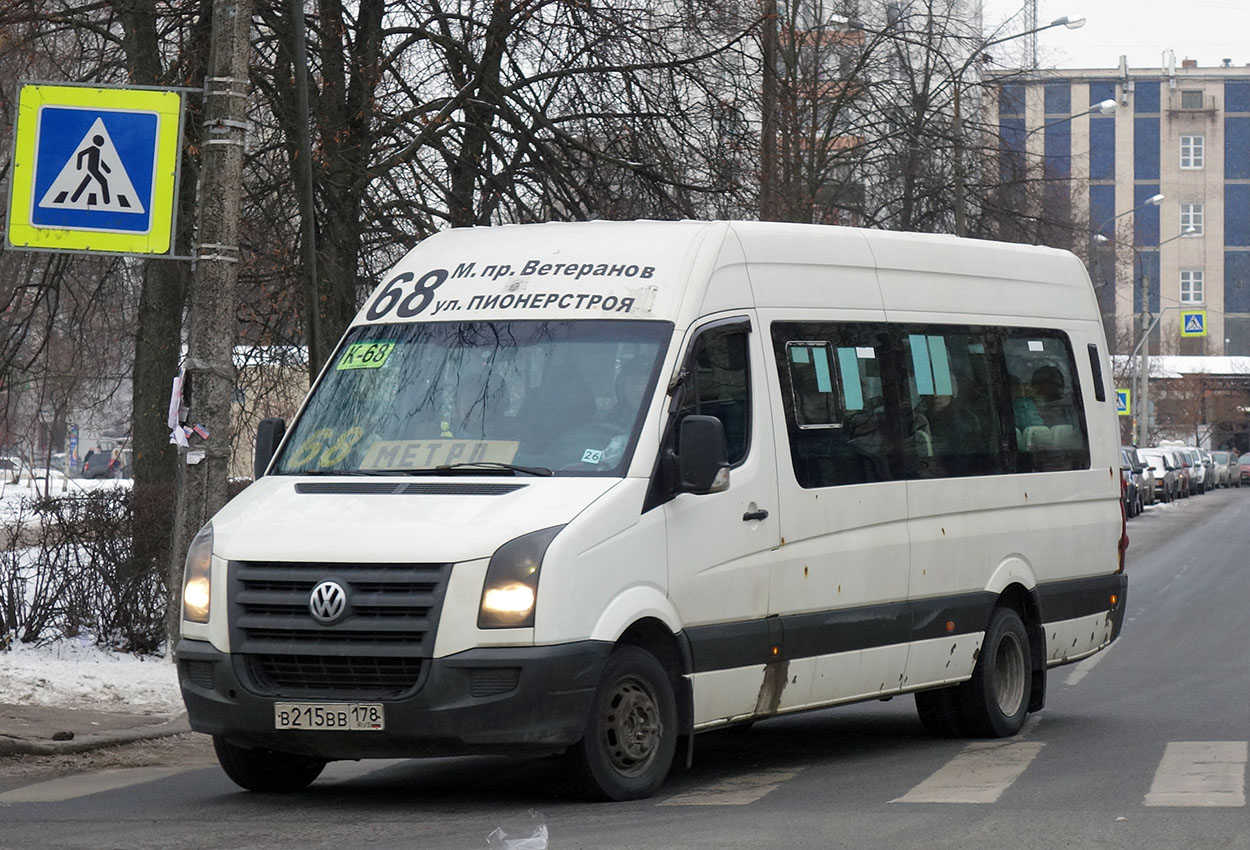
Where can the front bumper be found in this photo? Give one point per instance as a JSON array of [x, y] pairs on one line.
[[543, 709]]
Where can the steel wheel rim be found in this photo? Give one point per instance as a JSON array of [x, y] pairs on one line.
[[630, 726], [1009, 674]]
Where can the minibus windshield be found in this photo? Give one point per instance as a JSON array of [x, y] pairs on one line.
[[470, 398]]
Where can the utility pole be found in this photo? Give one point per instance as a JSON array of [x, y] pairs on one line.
[[203, 470], [1143, 395], [768, 128]]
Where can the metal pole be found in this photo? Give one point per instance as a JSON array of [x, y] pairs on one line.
[[1143, 398], [961, 216], [768, 130], [307, 200]]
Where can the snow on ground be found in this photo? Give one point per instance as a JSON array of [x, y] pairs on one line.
[[75, 673]]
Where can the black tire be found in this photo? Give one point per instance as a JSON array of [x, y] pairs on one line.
[[631, 732], [266, 770], [939, 712], [995, 702]]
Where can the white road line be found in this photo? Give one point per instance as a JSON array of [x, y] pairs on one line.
[[85, 784], [734, 791], [1200, 773], [1082, 668], [979, 774]]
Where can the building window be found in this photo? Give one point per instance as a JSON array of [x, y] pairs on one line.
[[1191, 151], [1191, 286], [1191, 216], [1191, 99]]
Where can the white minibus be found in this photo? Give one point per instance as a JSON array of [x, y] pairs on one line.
[[594, 488]]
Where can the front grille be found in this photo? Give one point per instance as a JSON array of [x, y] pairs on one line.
[[374, 649], [328, 675]]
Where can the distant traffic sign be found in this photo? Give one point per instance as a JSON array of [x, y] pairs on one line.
[[94, 169], [1193, 323], [1124, 402]]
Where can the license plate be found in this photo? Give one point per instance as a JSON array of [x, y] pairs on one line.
[[329, 716]]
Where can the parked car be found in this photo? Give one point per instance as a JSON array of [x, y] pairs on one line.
[[1184, 470], [12, 468], [1128, 486], [1143, 477], [1209, 463], [99, 464], [1243, 469], [1197, 470], [1226, 469], [1166, 476]]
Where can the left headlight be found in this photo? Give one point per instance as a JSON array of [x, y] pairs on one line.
[[511, 586], [197, 577]]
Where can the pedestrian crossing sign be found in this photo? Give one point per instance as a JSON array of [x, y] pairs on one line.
[[1124, 402], [1193, 323], [94, 169]]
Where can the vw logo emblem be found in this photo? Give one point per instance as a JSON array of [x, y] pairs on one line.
[[327, 602]]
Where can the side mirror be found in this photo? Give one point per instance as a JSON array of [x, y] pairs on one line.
[[702, 458], [268, 435]]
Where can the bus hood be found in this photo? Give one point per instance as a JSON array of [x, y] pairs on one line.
[[413, 520]]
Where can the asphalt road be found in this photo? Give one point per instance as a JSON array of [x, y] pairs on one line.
[[1143, 747]]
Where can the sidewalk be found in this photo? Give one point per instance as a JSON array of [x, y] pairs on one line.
[[44, 730]]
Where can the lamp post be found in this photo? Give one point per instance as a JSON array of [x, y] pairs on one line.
[[1105, 107], [1152, 201], [956, 77], [1141, 283]]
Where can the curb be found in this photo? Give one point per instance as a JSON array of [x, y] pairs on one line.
[[10, 746]]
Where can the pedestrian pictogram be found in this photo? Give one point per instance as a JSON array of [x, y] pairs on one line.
[[1124, 402], [94, 178], [94, 169], [1193, 323]]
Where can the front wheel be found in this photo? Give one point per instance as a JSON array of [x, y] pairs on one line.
[[631, 733], [266, 770], [996, 699]]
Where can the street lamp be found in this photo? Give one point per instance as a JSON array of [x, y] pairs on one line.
[[956, 76], [1141, 283], [1105, 107], [1153, 200]]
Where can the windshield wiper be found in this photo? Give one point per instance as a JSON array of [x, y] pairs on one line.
[[338, 472], [488, 466], [470, 467]]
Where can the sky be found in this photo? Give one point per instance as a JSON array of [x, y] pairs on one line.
[[1206, 30]]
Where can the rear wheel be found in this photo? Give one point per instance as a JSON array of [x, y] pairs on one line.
[[266, 770], [995, 702], [631, 733]]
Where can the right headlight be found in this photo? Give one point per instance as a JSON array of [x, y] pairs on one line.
[[511, 586], [197, 577]]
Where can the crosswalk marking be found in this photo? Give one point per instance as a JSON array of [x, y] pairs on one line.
[[1200, 773], [979, 774], [733, 790], [85, 784]]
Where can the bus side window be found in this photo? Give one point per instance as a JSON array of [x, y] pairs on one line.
[[1047, 408], [954, 400], [718, 384], [834, 398]]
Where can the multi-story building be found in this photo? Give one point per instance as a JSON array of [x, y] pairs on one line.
[[1182, 132]]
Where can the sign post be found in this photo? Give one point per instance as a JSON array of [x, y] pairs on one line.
[[94, 169], [1193, 323]]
